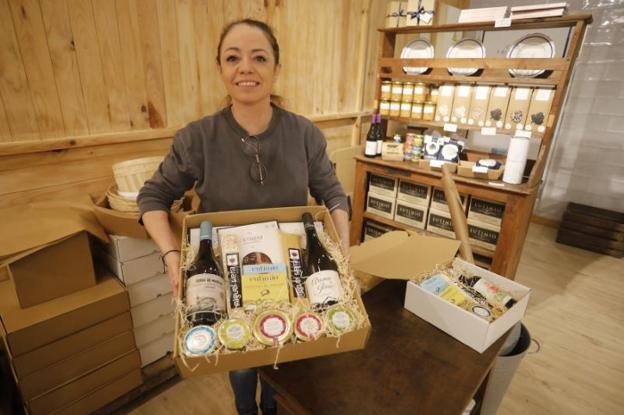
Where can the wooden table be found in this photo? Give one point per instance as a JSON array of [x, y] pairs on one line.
[[408, 367]]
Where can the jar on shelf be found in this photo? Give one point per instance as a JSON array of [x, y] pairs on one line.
[[420, 92], [397, 91], [417, 147], [428, 111], [386, 90], [407, 146], [384, 107], [434, 92], [395, 108], [417, 111], [406, 109], [408, 91]]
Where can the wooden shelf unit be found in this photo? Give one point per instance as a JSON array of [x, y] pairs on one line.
[[518, 199]]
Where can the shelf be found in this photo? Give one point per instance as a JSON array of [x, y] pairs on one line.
[[371, 216], [438, 124], [550, 22]]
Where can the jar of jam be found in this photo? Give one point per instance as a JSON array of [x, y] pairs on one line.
[[420, 92], [386, 90], [397, 91], [384, 108], [417, 109], [406, 109], [434, 92], [428, 111], [395, 108], [408, 92]]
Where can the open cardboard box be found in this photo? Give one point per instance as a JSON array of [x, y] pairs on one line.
[[407, 255], [436, 165], [353, 340], [466, 169]]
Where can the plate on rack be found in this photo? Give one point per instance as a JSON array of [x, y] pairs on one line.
[[466, 48], [417, 49], [535, 45]]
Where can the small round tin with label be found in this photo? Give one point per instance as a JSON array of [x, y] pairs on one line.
[[308, 326], [340, 319], [200, 340], [481, 311], [234, 333], [272, 327]]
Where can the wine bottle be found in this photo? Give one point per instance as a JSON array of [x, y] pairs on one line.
[[205, 286], [379, 135], [323, 281], [370, 150], [491, 292]]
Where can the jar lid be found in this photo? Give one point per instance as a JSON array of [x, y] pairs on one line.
[[308, 326], [200, 340], [340, 319], [234, 333], [272, 327]]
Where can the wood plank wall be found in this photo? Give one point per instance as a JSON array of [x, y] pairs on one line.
[[87, 83]]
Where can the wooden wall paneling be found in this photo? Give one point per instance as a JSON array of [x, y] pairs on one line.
[[377, 13], [188, 61], [286, 82], [107, 28], [209, 19], [94, 87], [132, 61], [5, 131], [62, 49], [30, 39], [276, 15], [170, 59]]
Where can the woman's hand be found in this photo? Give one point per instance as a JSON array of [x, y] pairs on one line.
[[173, 270]]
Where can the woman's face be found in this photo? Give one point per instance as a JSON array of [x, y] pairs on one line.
[[247, 65]]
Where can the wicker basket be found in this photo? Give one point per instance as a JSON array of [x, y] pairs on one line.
[[124, 204], [131, 174]]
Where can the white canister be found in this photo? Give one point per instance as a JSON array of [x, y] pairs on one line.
[[516, 160]]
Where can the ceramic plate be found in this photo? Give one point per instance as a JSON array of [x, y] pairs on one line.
[[417, 49], [535, 45], [466, 48]]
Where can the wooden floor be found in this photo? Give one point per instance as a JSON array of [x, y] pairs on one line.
[[576, 314]]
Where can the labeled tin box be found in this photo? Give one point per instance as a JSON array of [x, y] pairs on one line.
[[381, 185], [439, 222], [438, 200]]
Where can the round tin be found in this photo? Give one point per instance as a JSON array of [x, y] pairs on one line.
[[272, 327], [481, 311], [200, 340], [234, 333], [340, 319], [308, 326]]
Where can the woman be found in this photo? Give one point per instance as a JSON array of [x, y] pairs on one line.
[[250, 155]]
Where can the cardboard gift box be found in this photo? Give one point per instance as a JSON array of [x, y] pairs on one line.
[[497, 107], [488, 211], [395, 14], [436, 165], [411, 215], [479, 105], [202, 365], [470, 169], [518, 108], [439, 222], [438, 200], [539, 116], [461, 104], [483, 234], [46, 249], [380, 205], [414, 193], [382, 185], [420, 12]]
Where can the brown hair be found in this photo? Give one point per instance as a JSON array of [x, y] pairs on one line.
[[268, 33]]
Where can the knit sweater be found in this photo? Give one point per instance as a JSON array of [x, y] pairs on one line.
[[210, 153]]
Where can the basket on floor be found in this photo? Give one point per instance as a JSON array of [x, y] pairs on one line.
[[131, 174], [123, 203]]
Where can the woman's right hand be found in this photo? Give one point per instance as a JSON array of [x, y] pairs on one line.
[[173, 270]]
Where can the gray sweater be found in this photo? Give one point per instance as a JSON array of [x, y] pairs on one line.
[[209, 152]]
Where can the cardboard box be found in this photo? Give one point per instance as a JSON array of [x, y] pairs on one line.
[[464, 326], [518, 108], [154, 330], [104, 395], [497, 107], [419, 12], [411, 215], [152, 310], [414, 193], [76, 365], [83, 385], [478, 105], [383, 186], [64, 347], [436, 165], [30, 328], [352, 340], [374, 230], [123, 248], [380, 205], [439, 222], [135, 270], [445, 103], [149, 289], [157, 349], [539, 116], [438, 200], [470, 169], [461, 104], [488, 211], [483, 234]]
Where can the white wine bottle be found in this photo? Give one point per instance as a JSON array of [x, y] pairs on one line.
[[205, 286], [323, 281]]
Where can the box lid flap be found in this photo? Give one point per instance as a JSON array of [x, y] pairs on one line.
[[402, 255]]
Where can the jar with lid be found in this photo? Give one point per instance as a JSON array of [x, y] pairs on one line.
[[408, 91], [428, 111], [417, 146], [384, 107], [407, 148], [417, 109], [395, 108], [397, 91], [434, 92], [406, 109], [420, 92], [386, 90]]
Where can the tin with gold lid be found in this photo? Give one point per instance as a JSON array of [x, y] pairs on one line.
[[234, 333], [308, 326], [200, 340], [272, 327], [340, 319]]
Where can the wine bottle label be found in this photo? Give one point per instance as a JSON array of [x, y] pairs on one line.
[[324, 286], [205, 292], [234, 279], [371, 148], [296, 270]]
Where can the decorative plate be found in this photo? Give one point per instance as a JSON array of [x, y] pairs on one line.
[[466, 48], [417, 49], [535, 45]]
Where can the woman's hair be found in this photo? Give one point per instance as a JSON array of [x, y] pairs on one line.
[[268, 33]]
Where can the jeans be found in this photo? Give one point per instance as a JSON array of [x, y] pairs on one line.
[[244, 384]]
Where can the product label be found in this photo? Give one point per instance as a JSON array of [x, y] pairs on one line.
[[371, 148], [543, 94], [379, 204], [308, 325], [382, 182], [323, 286], [521, 133], [501, 91], [410, 213], [372, 231], [522, 94], [234, 280], [436, 163], [463, 91], [479, 169], [486, 207], [205, 292], [414, 189], [273, 326], [341, 320], [434, 284], [385, 88], [454, 295], [440, 222], [481, 93], [481, 234], [296, 270], [428, 109], [265, 282], [439, 197], [488, 131], [491, 292], [235, 332], [450, 127]]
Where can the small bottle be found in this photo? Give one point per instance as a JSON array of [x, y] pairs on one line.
[[490, 291], [370, 149], [323, 281], [379, 135], [205, 286]]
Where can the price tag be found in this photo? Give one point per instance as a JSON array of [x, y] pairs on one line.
[[436, 163], [503, 22], [452, 128], [488, 131], [479, 169], [521, 133]]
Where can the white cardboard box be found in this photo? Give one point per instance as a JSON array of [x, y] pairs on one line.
[[410, 214], [488, 211], [384, 186], [148, 289], [466, 327], [414, 193], [152, 310], [135, 270], [438, 200], [156, 349], [154, 330], [125, 248], [380, 205], [483, 234]]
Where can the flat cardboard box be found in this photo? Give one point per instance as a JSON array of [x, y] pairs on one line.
[[152, 310], [380, 205], [488, 211], [436, 165], [149, 289], [483, 234], [497, 107], [104, 395], [83, 385], [518, 108], [438, 200], [478, 105], [410, 214], [470, 169], [439, 222], [30, 328], [382, 185], [445, 103], [63, 348], [353, 340], [414, 193], [154, 330], [539, 116], [135, 270], [124, 248], [157, 349], [464, 326], [461, 104], [76, 365]]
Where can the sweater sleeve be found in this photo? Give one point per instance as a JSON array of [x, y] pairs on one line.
[[176, 174], [324, 185]]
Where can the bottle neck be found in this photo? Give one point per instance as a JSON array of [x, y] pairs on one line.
[[205, 246]]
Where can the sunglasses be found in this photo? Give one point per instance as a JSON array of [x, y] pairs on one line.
[[251, 148]]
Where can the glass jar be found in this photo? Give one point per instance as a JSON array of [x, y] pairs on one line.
[[434, 92], [384, 107], [386, 90], [420, 92], [397, 91], [428, 111], [395, 108], [406, 109], [408, 91], [417, 111], [417, 146]]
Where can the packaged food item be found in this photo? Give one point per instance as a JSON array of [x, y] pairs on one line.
[[234, 333], [308, 326], [200, 340], [340, 320], [272, 327], [386, 90], [497, 107]]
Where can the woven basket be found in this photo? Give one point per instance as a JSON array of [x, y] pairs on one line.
[[124, 204], [131, 174]]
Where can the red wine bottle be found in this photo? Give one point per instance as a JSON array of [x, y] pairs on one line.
[[370, 150]]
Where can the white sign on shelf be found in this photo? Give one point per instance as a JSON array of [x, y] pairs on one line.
[[436, 163], [479, 169], [503, 22], [522, 133], [452, 128], [488, 131]]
